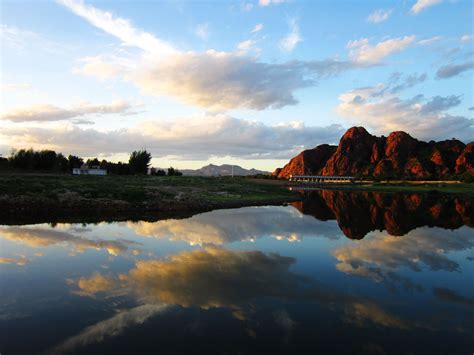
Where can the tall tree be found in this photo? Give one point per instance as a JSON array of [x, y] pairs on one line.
[[139, 161]]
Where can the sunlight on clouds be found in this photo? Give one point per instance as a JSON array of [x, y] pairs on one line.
[[363, 52], [47, 112], [291, 40], [185, 138], [421, 5], [119, 27], [35, 237], [380, 15], [381, 109]]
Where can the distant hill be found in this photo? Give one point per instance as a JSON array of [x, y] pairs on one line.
[[222, 170], [398, 156]]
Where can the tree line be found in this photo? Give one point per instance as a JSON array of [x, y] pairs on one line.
[[50, 161]]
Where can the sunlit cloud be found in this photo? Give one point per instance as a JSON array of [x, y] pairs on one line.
[[291, 40], [258, 27], [196, 137], [361, 51], [382, 255], [203, 31], [110, 328], [379, 15], [36, 237], [243, 224], [46, 112], [381, 109], [20, 261], [421, 5]]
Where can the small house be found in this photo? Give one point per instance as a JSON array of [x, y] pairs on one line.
[[92, 170]]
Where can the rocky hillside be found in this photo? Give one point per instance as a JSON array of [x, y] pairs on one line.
[[398, 156]]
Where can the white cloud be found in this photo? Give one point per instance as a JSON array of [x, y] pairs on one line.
[[270, 2], [245, 46], [203, 31], [421, 5], [291, 40], [46, 112], [467, 38], [119, 27], [380, 15], [111, 327], [197, 137], [363, 52], [385, 112], [430, 41], [16, 87], [217, 81], [258, 27]]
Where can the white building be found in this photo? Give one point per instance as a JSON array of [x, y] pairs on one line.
[[86, 170]]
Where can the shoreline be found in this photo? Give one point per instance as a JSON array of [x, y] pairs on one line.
[[28, 199]]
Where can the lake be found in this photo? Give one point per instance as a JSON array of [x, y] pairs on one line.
[[339, 272]]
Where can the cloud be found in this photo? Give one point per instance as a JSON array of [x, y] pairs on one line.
[[95, 284], [430, 41], [381, 256], [216, 81], [380, 15], [20, 261], [449, 295], [196, 137], [220, 81], [16, 87], [46, 112], [291, 40], [467, 38], [258, 27], [243, 224], [16, 37], [203, 31], [245, 46], [421, 5], [111, 327], [450, 70], [39, 237], [362, 52], [119, 27], [215, 277], [264, 3], [385, 112]]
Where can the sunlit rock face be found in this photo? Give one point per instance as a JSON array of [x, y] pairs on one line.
[[359, 213], [308, 162], [397, 156]]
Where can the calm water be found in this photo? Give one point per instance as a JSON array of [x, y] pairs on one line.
[[339, 272]]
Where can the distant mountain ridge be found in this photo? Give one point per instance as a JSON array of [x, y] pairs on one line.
[[398, 156], [222, 170]]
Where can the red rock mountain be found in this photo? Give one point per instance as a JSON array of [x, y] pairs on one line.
[[397, 156]]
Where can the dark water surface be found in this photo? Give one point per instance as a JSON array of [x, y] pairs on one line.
[[339, 272]]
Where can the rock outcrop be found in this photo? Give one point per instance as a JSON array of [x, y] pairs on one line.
[[308, 162], [398, 156]]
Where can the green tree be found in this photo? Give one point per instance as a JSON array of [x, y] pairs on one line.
[[139, 162]]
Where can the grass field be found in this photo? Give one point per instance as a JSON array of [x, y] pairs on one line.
[[53, 194]]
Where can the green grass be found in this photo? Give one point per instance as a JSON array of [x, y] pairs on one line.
[[140, 188]]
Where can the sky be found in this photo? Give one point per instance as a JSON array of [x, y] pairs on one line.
[[248, 82]]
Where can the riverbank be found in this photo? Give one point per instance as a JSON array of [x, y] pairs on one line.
[[64, 198], [450, 187]]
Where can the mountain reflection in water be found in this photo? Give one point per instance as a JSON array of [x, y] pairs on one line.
[[274, 279], [358, 213]]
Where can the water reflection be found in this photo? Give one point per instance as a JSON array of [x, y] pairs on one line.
[[358, 213], [275, 279]]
